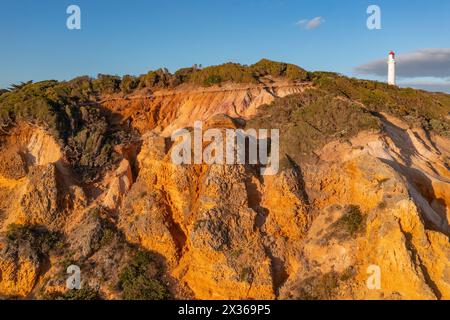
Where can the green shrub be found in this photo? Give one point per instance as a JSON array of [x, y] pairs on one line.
[[81, 89], [84, 294], [66, 262], [32, 102], [341, 107], [184, 74], [38, 237], [140, 279], [90, 147], [351, 223], [238, 73], [310, 120], [246, 275], [84, 132], [107, 238], [106, 84], [266, 67], [426, 109], [129, 84], [323, 286], [294, 72], [160, 78], [319, 288], [212, 80], [226, 72], [18, 86]]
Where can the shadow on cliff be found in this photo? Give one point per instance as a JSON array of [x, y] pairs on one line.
[[432, 207]]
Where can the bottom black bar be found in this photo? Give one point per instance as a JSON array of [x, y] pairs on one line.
[[217, 309]]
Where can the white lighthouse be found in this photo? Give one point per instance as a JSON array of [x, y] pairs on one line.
[[391, 68]]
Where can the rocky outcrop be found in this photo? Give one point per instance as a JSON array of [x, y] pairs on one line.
[[366, 172], [19, 268], [29, 177], [232, 224], [216, 225], [119, 185], [167, 110], [40, 203], [85, 238], [225, 242]]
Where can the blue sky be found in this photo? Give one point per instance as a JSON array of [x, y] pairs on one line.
[[135, 36]]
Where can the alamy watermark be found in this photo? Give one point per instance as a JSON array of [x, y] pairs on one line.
[[73, 282], [374, 280], [228, 147], [73, 22], [374, 20]]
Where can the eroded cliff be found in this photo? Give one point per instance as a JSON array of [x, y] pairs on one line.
[[349, 196]]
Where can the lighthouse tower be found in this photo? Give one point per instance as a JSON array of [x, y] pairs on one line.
[[391, 68]]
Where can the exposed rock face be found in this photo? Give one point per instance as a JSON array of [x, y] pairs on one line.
[[232, 224], [199, 218], [313, 231], [168, 110], [86, 237], [14, 166], [40, 204], [394, 237], [225, 244], [19, 269], [119, 185]]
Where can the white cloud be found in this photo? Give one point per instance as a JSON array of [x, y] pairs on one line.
[[421, 63], [437, 86], [310, 24]]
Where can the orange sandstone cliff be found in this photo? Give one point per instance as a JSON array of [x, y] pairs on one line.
[[379, 197]]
